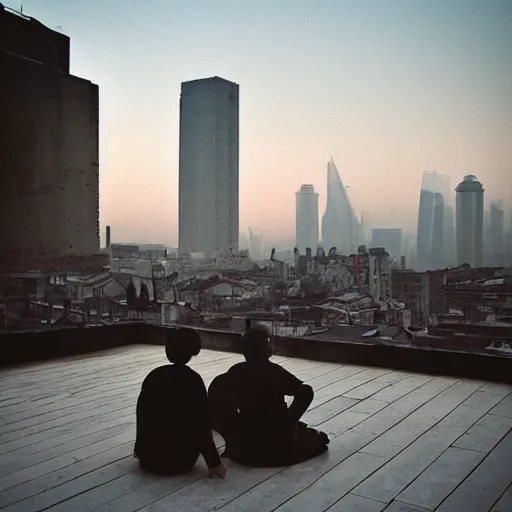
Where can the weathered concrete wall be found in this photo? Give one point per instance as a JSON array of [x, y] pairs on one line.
[[49, 199], [80, 161], [23, 347], [412, 359], [16, 348]]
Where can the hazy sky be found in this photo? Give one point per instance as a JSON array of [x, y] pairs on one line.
[[388, 88]]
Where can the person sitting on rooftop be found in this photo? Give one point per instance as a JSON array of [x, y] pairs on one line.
[[248, 409], [173, 424]]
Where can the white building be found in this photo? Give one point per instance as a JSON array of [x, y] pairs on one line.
[[208, 175], [470, 220], [306, 219]]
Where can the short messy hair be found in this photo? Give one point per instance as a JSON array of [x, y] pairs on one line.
[[181, 344]]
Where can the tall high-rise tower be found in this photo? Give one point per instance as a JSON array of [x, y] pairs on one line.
[[497, 232], [208, 176], [435, 223], [340, 225], [306, 218], [470, 220]]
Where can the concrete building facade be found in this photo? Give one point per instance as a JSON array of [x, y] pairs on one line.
[[380, 274], [412, 288], [208, 166], [49, 197], [306, 219], [470, 221]]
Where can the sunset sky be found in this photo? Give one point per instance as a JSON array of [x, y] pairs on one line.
[[388, 88]]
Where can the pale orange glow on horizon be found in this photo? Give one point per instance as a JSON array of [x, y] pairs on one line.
[[388, 91]]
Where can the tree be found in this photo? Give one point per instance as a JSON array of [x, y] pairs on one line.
[[144, 298], [131, 296]]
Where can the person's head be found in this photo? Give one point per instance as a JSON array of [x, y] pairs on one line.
[[256, 343], [181, 344]]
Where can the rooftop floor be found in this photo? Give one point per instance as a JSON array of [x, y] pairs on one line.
[[400, 442]]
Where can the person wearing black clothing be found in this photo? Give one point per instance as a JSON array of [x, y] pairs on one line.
[[248, 409], [173, 423]]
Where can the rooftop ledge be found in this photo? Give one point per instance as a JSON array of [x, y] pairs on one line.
[[20, 347]]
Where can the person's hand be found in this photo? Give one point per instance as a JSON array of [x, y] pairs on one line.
[[218, 471]]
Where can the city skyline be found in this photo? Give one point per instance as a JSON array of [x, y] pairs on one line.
[[375, 90]]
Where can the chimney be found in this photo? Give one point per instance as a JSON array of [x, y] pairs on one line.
[[107, 243], [403, 263]]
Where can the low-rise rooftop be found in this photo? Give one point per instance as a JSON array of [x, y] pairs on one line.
[[400, 442]]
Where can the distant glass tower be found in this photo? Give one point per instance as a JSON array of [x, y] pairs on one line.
[[443, 187], [470, 221], [497, 232], [340, 225], [435, 248], [306, 219]]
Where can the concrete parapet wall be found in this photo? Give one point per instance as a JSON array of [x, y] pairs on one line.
[[16, 348], [24, 347]]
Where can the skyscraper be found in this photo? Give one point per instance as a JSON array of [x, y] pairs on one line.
[[470, 219], [306, 218], [497, 233], [508, 239], [340, 225], [444, 187], [208, 174], [435, 247], [49, 195]]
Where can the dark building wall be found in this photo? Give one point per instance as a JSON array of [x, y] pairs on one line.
[[49, 198], [29, 38], [412, 289], [438, 301], [79, 158]]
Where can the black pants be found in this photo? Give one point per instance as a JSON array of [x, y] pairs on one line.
[[273, 446]]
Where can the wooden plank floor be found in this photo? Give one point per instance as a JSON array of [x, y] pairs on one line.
[[400, 442]]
